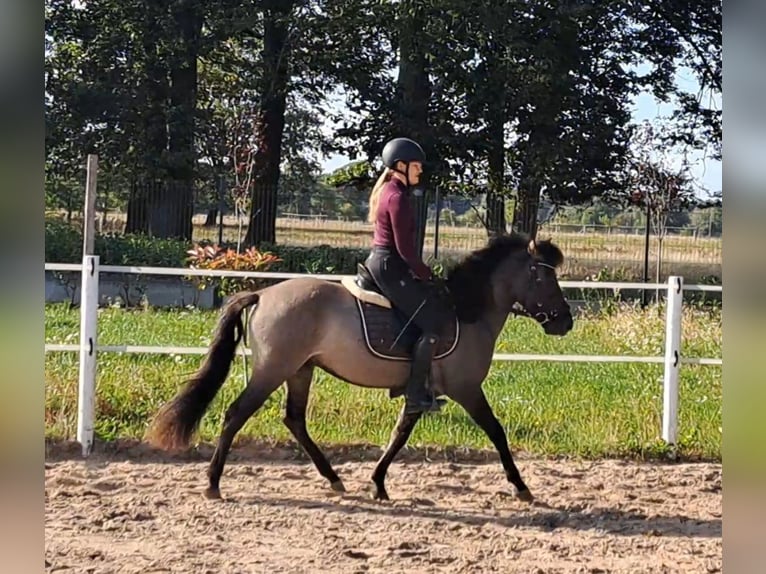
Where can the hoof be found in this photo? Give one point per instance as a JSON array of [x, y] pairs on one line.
[[337, 486], [525, 496], [212, 494], [381, 495]]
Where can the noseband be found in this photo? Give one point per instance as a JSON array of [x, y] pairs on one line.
[[540, 316]]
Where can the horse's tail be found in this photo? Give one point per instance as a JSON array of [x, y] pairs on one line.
[[177, 420]]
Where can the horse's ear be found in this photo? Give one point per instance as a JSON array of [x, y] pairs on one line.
[[532, 247]]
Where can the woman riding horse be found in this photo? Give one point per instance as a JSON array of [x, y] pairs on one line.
[[397, 267]]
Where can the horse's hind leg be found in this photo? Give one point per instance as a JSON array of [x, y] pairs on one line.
[[243, 407], [295, 419], [399, 437], [476, 405]]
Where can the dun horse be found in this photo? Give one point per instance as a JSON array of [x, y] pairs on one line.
[[350, 331]]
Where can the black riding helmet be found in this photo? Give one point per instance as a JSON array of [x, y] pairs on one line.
[[402, 149]]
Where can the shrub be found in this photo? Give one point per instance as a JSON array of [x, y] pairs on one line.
[[140, 250], [214, 257], [318, 259], [63, 242]]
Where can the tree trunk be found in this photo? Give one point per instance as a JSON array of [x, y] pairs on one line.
[[496, 157], [270, 124], [162, 204], [527, 204], [660, 238], [414, 90], [495, 211], [170, 210], [154, 120], [535, 156], [179, 205], [211, 217]]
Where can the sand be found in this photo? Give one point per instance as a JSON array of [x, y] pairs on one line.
[[132, 510]]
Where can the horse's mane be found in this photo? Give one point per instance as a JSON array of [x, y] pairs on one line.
[[468, 280]]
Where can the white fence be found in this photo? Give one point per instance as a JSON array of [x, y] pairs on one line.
[[88, 346]]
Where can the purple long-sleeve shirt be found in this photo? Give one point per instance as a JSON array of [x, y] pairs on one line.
[[395, 226]]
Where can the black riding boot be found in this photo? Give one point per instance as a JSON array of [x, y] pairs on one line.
[[417, 397]]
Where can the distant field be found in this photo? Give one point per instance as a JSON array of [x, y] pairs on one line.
[[586, 253], [358, 234]]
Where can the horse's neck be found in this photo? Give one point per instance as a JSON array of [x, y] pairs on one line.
[[494, 319]]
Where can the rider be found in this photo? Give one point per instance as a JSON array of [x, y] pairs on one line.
[[397, 267]]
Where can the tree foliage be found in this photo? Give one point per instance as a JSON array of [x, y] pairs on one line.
[[513, 99]]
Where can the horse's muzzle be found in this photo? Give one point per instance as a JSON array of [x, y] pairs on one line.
[[557, 322]]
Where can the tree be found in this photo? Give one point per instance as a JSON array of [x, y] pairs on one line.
[[707, 221], [310, 46], [278, 27], [655, 183], [491, 97], [300, 168], [419, 101], [687, 36], [512, 99], [86, 108], [571, 132], [226, 104], [122, 77]]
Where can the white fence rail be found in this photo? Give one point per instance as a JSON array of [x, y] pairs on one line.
[[88, 346]]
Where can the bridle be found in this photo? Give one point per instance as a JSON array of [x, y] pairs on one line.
[[540, 316]]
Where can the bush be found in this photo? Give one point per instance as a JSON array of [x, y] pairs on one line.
[[140, 250], [63, 244], [319, 259], [217, 258]]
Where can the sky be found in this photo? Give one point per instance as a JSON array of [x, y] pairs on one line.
[[707, 172]]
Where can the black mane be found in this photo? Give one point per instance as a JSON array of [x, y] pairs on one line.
[[468, 280]]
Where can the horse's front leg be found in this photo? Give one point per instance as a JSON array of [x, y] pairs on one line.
[[472, 399], [399, 437]]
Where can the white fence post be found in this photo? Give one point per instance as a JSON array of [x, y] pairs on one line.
[[89, 209], [672, 359], [88, 330]]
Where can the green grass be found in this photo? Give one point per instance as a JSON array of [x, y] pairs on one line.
[[578, 409]]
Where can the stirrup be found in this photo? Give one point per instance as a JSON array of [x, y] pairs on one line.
[[424, 405]]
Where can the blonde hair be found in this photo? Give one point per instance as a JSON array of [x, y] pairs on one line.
[[375, 194]]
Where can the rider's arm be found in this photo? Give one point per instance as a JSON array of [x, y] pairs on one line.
[[401, 222]]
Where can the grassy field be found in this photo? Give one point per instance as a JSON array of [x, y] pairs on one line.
[[586, 254], [616, 246], [584, 409], [587, 245]]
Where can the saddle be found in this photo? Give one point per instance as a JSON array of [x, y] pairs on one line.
[[385, 328], [364, 288]]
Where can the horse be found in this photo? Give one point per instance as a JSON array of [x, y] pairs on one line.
[[353, 332]]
